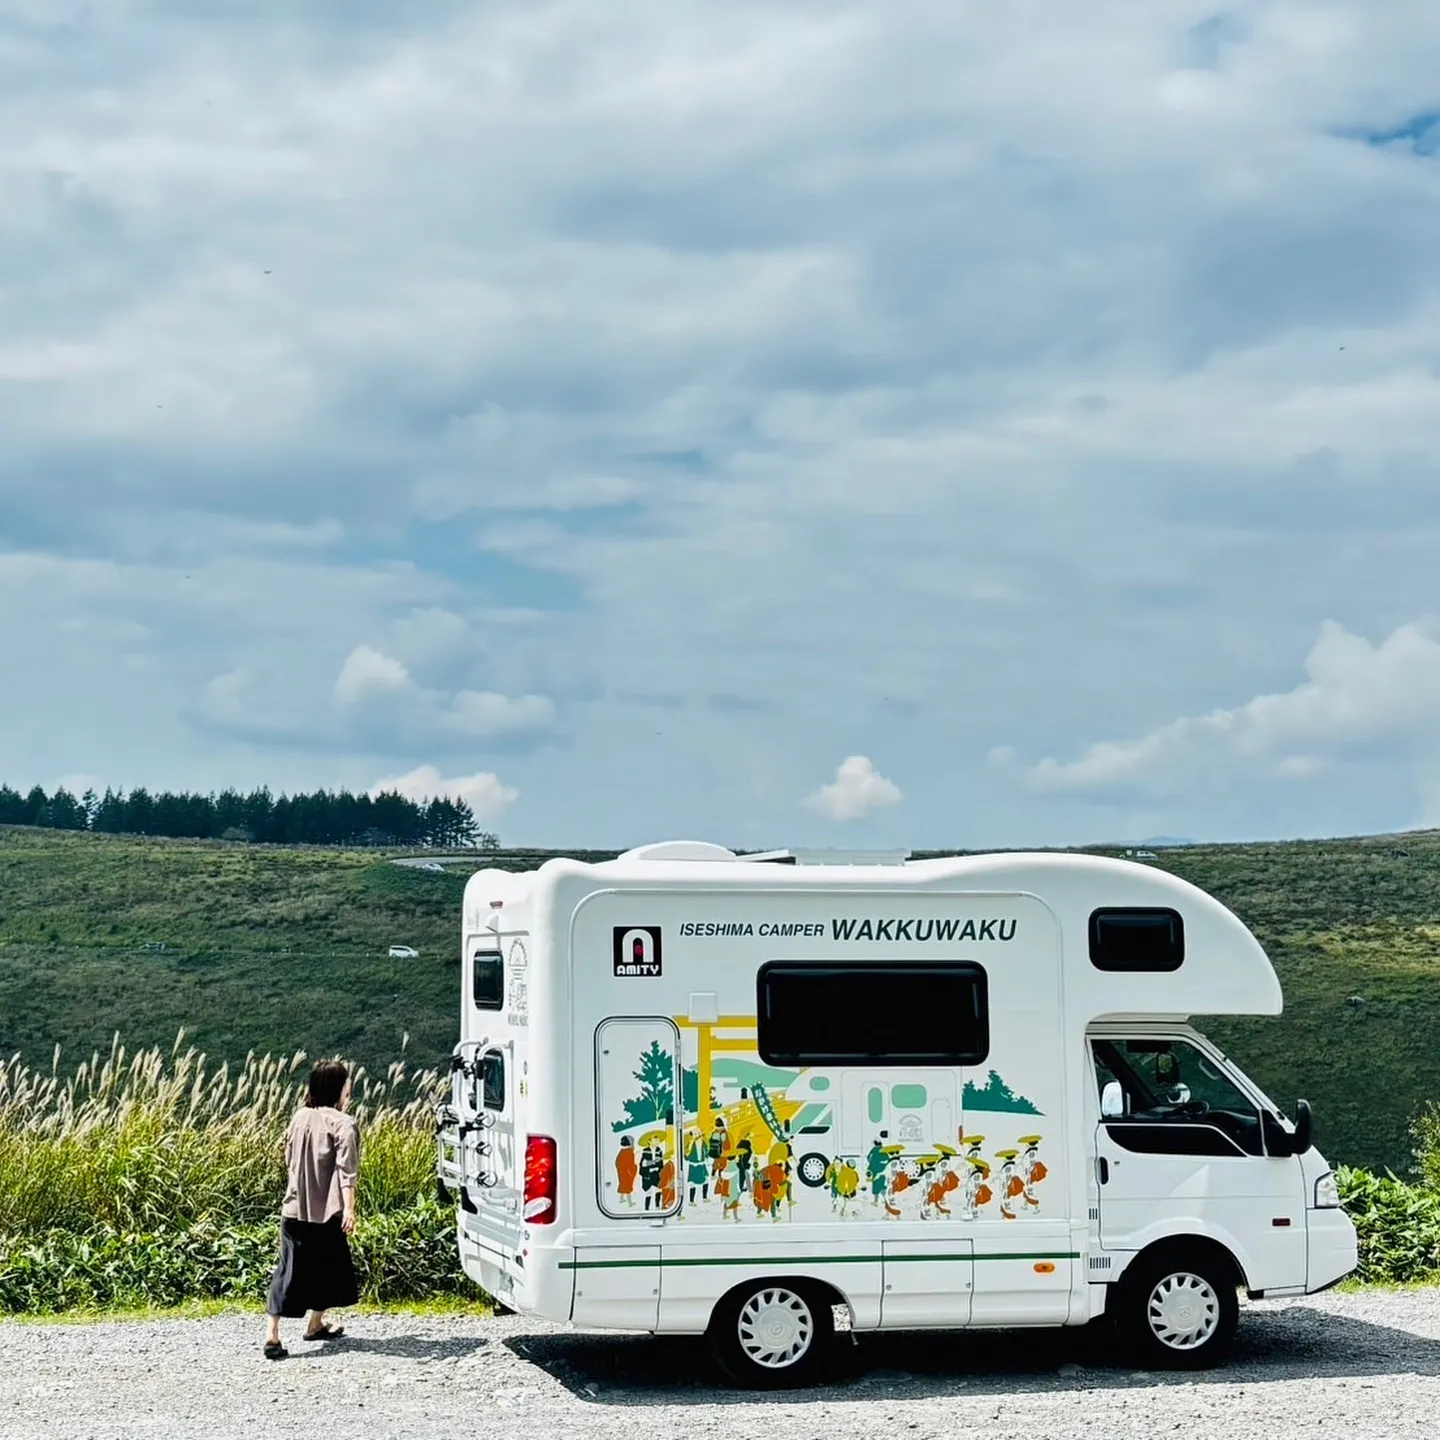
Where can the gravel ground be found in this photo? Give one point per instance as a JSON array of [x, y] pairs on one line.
[[1337, 1365]]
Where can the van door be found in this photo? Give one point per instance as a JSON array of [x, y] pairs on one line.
[[484, 1098], [1180, 1147]]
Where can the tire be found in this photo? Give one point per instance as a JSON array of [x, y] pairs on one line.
[[812, 1168], [1179, 1311], [772, 1335]]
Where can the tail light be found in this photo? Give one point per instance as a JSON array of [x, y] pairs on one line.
[[540, 1180]]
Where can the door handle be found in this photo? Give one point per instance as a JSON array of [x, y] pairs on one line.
[[1104, 1166]]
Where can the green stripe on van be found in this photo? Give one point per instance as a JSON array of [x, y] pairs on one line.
[[680, 1262]]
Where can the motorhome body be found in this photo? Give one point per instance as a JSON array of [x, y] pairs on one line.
[[697, 1092]]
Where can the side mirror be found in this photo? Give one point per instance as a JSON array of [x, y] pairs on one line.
[[1279, 1142], [1304, 1126], [1112, 1101]]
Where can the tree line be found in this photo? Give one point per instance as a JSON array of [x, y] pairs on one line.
[[326, 817]]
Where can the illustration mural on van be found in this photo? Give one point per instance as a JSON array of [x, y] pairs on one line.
[[768, 1144]]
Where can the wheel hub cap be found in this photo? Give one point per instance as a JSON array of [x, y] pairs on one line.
[[776, 1328], [1184, 1311]]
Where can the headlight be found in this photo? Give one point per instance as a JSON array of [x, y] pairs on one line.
[[1327, 1193]]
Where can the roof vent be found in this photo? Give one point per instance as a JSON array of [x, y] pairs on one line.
[[679, 850], [829, 857]]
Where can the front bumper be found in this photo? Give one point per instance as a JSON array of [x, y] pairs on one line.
[[1332, 1250]]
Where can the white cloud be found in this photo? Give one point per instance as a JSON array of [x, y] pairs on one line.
[[483, 713], [1356, 695], [371, 681], [483, 792], [856, 790], [368, 674], [1018, 364]]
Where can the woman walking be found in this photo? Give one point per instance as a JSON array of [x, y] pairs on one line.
[[322, 1158]]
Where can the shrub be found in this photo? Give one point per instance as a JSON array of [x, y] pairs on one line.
[[1426, 1134], [1398, 1226]]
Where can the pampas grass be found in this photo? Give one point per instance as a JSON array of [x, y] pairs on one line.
[[155, 1178]]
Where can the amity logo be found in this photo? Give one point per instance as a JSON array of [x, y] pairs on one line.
[[637, 950]]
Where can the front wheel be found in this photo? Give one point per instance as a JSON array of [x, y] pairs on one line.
[[772, 1336], [1180, 1312]]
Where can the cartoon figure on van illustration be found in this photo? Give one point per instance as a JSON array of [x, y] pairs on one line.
[[1032, 1169], [727, 1191], [626, 1170], [770, 1189], [697, 1167], [1011, 1185], [744, 1163], [780, 1167], [877, 1165], [898, 1181], [941, 1182], [719, 1142], [667, 1182], [651, 1162], [977, 1193]]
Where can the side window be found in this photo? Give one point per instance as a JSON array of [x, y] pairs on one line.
[[1137, 940], [862, 1014], [487, 979], [638, 1097], [1169, 1087]]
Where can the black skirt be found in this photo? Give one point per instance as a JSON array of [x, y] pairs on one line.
[[314, 1272]]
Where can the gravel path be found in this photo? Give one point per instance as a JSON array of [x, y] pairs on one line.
[[1337, 1365]]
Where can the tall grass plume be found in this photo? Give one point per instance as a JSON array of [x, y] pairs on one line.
[[155, 1178]]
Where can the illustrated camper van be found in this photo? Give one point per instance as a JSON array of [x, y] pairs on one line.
[[749, 1097]]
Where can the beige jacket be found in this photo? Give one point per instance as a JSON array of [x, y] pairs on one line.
[[322, 1156]]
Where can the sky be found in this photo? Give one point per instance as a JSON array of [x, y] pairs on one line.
[[924, 424]]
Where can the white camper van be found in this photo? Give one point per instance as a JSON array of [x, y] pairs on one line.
[[710, 1094]]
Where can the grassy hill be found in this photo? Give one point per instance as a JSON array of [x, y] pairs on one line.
[[278, 950]]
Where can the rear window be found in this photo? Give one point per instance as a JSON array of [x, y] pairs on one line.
[[487, 980], [1137, 940], [492, 1080], [917, 1012]]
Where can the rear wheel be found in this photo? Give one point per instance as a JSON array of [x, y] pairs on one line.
[[1180, 1311], [771, 1336]]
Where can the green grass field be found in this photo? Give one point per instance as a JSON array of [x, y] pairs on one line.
[[274, 950]]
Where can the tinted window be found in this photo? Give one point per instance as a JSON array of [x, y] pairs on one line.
[[1136, 940], [1172, 1139], [923, 1013], [492, 1080], [488, 980]]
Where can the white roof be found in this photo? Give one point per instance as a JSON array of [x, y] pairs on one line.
[[1237, 975]]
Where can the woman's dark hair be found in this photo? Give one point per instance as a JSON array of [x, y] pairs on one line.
[[327, 1083]]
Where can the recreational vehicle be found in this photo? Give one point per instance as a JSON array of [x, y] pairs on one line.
[[753, 1097]]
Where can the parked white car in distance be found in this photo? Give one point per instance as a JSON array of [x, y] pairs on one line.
[[404, 952]]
